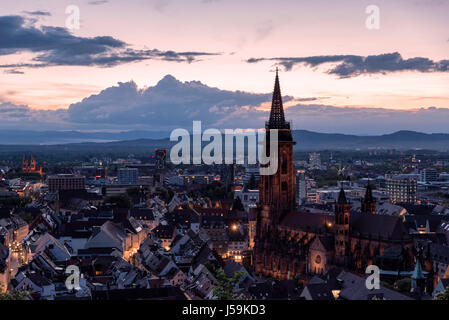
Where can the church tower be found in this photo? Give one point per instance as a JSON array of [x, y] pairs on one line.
[[24, 164], [277, 191], [368, 203], [342, 215], [32, 164]]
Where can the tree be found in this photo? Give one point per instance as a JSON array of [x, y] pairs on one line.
[[210, 266], [121, 201], [26, 216], [14, 295], [17, 202], [224, 290], [443, 295], [238, 205], [386, 285], [404, 285], [165, 193], [252, 182]]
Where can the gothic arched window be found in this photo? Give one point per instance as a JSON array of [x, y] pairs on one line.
[[284, 164], [284, 186]]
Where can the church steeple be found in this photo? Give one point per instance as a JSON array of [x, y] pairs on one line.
[[368, 203], [342, 217], [277, 191], [418, 279], [277, 117], [342, 196], [369, 193]]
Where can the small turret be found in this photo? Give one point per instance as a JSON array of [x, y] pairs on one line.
[[418, 279], [368, 203]]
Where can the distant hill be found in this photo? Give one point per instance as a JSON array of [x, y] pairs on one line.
[[401, 140], [139, 140], [23, 137]]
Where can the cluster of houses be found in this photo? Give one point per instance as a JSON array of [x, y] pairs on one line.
[[174, 249]]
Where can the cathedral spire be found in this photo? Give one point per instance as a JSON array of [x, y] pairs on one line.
[[277, 118], [342, 196], [369, 193], [368, 203]]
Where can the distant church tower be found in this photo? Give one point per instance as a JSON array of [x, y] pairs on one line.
[[368, 203], [31, 167], [24, 164], [342, 215], [32, 164], [277, 192]]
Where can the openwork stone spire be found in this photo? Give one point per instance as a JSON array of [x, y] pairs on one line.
[[369, 194], [342, 196], [277, 118]]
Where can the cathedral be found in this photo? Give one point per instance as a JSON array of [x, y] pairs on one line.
[[291, 243], [31, 167]]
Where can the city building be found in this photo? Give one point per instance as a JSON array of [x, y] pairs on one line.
[[31, 167], [402, 190], [429, 175], [291, 243], [66, 182], [301, 186], [314, 159], [128, 176], [251, 170], [248, 197], [161, 158]]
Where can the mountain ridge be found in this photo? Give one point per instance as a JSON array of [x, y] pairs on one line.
[[306, 140]]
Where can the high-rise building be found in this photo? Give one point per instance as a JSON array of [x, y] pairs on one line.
[[301, 186], [315, 159], [429, 175], [66, 182], [128, 176], [161, 158], [402, 189]]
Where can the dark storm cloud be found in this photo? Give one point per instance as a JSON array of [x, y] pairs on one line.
[[14, 116], [171, 103], [352, 65], [57, 46], [174, 104], [14, 71], [38, 13], [98, 2]]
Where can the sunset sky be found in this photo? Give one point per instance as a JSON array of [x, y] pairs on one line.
[[328, 58]]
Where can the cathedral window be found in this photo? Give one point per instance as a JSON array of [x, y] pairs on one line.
[[284, 164], [284, 186]]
